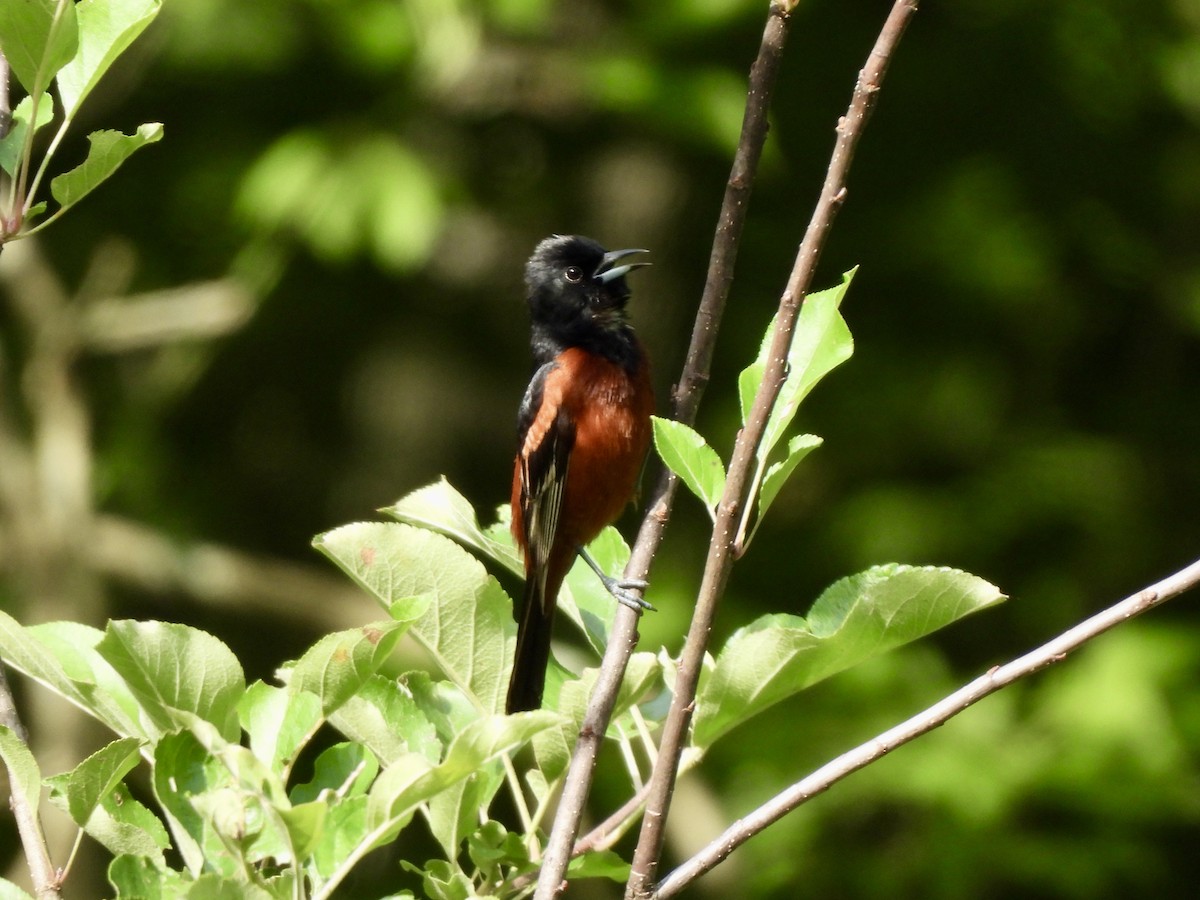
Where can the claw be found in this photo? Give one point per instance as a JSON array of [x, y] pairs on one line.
[[623, 592], [622, 589]]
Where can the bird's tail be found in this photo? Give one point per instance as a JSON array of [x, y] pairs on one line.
[[533, 641]]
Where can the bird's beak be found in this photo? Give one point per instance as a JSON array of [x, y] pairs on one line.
[[605, 272]]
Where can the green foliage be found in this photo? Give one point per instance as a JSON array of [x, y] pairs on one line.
[[234, 812], [221, 754], [688, 455], [73, 45], [1026, 331], [852, 621]]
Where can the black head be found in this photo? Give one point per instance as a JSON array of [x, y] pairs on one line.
[[577, 296]]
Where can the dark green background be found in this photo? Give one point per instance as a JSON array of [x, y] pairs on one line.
[[1022, 402]]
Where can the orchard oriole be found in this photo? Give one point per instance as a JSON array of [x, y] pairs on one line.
[[583, 430]]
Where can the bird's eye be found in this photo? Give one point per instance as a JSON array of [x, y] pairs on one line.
[[574, 274]]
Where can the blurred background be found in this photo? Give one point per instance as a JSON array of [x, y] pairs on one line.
[[307, 301]]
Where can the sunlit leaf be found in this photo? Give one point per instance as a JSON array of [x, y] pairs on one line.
[[106, 29], [553, 747], [440, 507], [345, 769], [177, 672], [468, 628], [853, 620], [690, 457], [9, 891], [339, 664], [187, 782], [24, 776], [106, 151], [123, 825], [799, 446], [12, 144], [411, 780], [81, 790], [62, 657], [386, 718], [599, 864], [820, 342], [38, 37], [278, 721]]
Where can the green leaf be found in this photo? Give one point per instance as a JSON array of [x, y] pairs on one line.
[[13, 143], [455, 812], [468, 628], [139, 878], [279, 721], [853, 620], [687, 454], [599, 864], [491, 846], [81, 790], [106, 29], [337, 666], [778, 473], [177, 672], [9, 891], [24, 776], [553, 746], [440, 507], [442, 880], [387, 719], [305, 823], [107, 150], [820, 342], [123, 825], [186, 779], [38, 37], [211, 886], [62, 657], [345, 830], [446, 708], [345, 770], [411, 780], [583, 600]]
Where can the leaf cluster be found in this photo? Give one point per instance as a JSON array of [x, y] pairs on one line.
[[58, 51], [220, 754]]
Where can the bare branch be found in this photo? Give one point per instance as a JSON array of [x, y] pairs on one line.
[[195, 312], [686, 400], [127, 551], [821, 780], [721, 555]]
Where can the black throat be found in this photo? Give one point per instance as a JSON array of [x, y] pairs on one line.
[[619, 345]]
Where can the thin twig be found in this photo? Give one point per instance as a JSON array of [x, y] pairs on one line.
[[721, 556], [821, 780], [610, 830], [686, 400]]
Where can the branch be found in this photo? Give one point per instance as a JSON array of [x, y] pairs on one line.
[[685, 401], [1048, 654], [721, 548], [219, 576]]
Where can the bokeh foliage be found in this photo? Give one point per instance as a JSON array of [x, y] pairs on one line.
[[1022, 402]]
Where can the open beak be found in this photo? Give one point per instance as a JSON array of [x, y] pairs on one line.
[[606, 272]]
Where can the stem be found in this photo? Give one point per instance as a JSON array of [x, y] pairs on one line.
[[721, 548], [685, 402], [1048, 654], [39, 90]]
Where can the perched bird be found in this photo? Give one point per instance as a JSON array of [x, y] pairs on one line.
[[582, 434]]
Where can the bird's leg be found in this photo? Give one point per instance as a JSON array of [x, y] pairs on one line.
[[622, 589]]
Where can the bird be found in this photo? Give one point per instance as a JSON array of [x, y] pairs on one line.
[[583, 429]]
